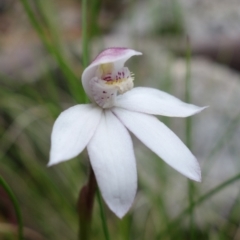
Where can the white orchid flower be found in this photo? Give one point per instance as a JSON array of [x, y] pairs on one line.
[[103, 126]]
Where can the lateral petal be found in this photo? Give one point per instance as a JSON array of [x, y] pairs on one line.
[[113, 161], [153, 101], [161, 140], [72, 131]]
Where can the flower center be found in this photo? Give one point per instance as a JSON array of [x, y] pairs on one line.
[[109, 82]]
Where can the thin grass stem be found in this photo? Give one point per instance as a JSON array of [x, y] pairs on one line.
[[15, 205], [85, 38], [188, 132], [85, 46], [74, 86], [103, 217]]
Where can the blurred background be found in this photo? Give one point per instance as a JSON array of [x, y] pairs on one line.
[[183, 41]]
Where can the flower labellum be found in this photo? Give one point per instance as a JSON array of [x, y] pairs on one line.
[[103, 127]]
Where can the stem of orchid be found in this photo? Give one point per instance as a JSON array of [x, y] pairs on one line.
[[188, 132], [85, 206], [104, 222], [16, 207]]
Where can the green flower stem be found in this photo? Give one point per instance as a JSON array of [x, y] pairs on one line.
[[85, 206], [189, 131], [103, 218], [16, 207]]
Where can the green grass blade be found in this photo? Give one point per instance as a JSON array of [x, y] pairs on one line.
[[103, 218], [188, 133], [74, 84], [16, 207]]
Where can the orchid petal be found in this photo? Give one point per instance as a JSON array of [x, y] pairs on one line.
[[153, 101], [113, 161], [161, 140], [117, 56], [72, 131]]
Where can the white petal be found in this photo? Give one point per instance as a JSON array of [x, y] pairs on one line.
[[72, 131], [153, 101], [117, 56], [113, 161], [161, 140]]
